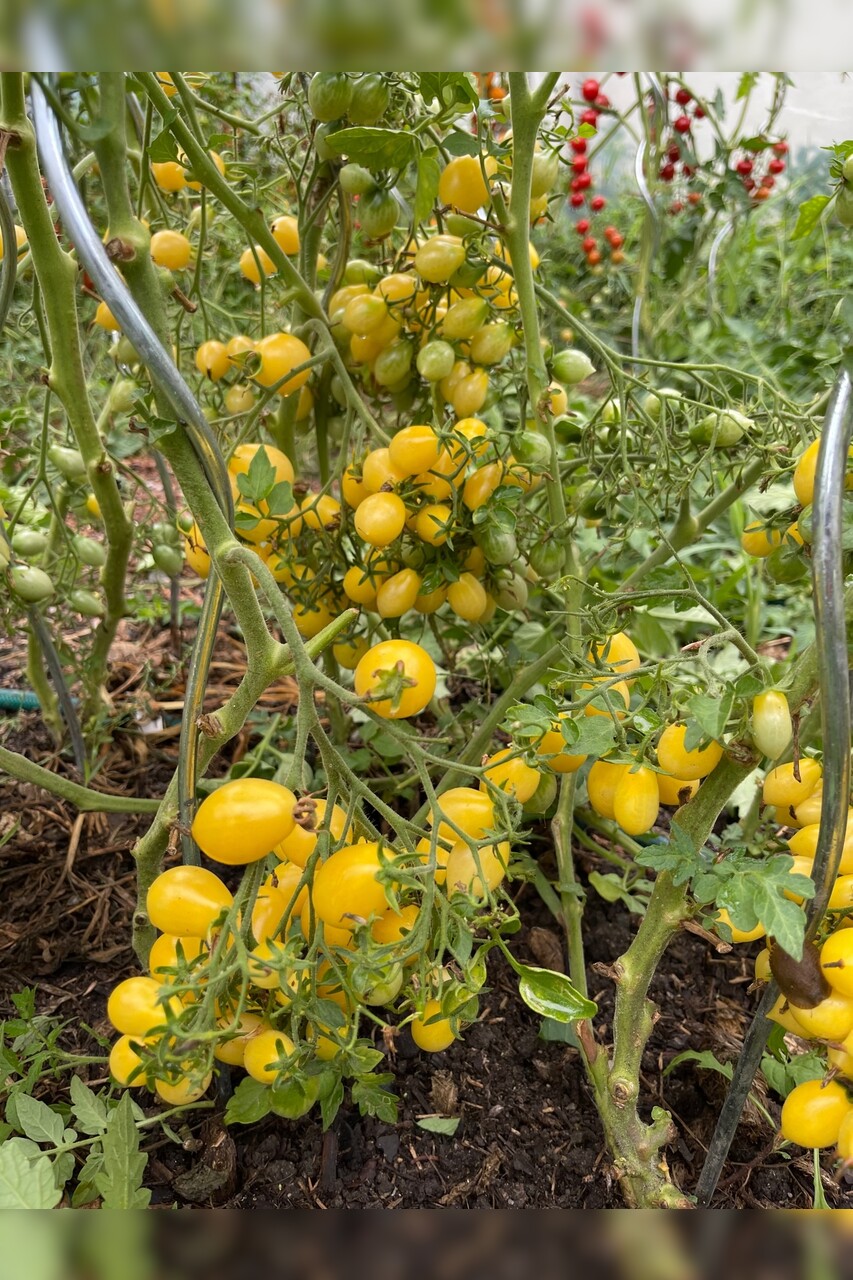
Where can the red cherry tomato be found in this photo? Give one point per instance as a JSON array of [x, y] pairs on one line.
[[681, 124], [590, 89], [597, 203]]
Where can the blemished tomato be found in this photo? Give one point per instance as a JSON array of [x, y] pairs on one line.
[[171, 952], [400, 663], [380, 472], [397, 594], [813, 1112], [285, 231], [836, 961], [464, 875], [394, 926], [674, 758], [279, 354], [761, 968], [239, 399], [298, 846], [320, 511], [772, 728], [232, 1051], [467, 597], [244, 819], [781, 787], [212, 360], [185, 901], [380, 518], [462, 184], [182, 1090], [430, 1031], [171, 249], [832, 1019], [414, 449], [676, 791], [741, 935], [345, 886], [437, 260], [510, 774], [471, 811], [134, 1007], [241, 460], [636, 801], [618, 652], [601, 785], [757, 540]]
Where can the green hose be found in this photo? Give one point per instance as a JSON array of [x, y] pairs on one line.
[[18, 700]]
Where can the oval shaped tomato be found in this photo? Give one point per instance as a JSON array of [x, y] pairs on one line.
[[134, 1007], [674, 758], [467, 597], [434, 523], [614, 700], [832, 1019], [171, 952], [636, 801], [243, 820], [126, 1065], [552, 749], [435, 360], [186, 901], [242, 457], [394, 926], [265, 1053], [279, 354], [462, 184], [437, 259], [783, 787], [430, 1031], [618, 652], [758, 540], [380, 518], [469, 810], [465, 871], [813, 1112], [414, 449], [772, 727], [398, 593], [346, 890], [378, 212], [298, 846], [676, 791], [511, 774], [601, 785], [398, 676], [285, 232], [836, 961], [571, 366]]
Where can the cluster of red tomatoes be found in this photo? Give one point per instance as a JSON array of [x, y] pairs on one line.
[[583, 182], [758, 177]]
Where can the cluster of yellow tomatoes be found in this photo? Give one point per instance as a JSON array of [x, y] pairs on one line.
[[766, 541]]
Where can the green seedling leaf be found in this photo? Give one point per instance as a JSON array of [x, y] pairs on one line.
[[120, 1181]]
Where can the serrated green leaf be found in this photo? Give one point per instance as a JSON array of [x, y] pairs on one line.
[[552, 994], [705, 1059], [249, 1102], [446, 1125], [120, 1180], [89, 1111], [808, 216], [589, 735], [26, 1183], [708, 718], [163, 146], [37, 1121], [447, 88], [373, 1099], [429, 171], [375, 148]]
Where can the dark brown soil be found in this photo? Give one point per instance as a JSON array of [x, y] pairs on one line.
[[528, 1134]]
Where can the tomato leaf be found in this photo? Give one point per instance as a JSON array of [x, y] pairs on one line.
[[704, 1059], [552, 994], [558, 1032], [446, 1125], [375, 148], [429, 171], [120, 1181], [783, 1075], [373, 1099], [809, 216], [709, 716], [249, 1102], [88, 1109], [26, 1183], [448, 88], [37, 1121], [163, 147]]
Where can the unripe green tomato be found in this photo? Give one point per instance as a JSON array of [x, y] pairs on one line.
[[844, 206], [371, 990], [324, 152], [30, 584], [69, 462], [785, 566], [28, 543], [4, 554], [491, 343], [497, 545], [358, 271], [548, 559], [378, 212], [370, 97], [89, 551], [122, 395], [590, 501], [165, 533], [543, 797], [355, 180], [339, 395], [87, 603], [724, 428], [185, 523], [435, 360], [571, 366], [458, 224], [470, 271], [532, 448], [847, 169], [652, 401], [169, 559], [546, 170], [329, 95], [392, 365], [510, 592], [611, 411], [124, 352]]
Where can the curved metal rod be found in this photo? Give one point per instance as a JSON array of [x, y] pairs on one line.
[[716, 245], [167, 378], [833, 667], [9, 265]]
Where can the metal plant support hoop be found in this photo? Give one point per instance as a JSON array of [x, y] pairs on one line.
[[189, 415], [831, 642], [648, 200]]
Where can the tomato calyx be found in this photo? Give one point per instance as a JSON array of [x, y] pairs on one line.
[[390, 685]]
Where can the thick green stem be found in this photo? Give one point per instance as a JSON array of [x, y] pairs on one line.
[[56, 273], [84, 798]]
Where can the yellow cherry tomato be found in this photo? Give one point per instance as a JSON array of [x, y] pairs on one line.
[[401, 672], [256, 263], [831, 1019], [397, 594], [232, 1051], [467, 597], [636, 801], [298, 846], [264, 1052], [741, 935], [757, 540], [430, 1031], [394, 926], [462, 184], [185, 901], [813, 1113], [674, 758], [510, 774], [346, 889], [380, 518], [182, 1090], [171, 249], [279, 354], [601, 785], [105, 319], [169, 176], [414, 449], [618, 652], [469, 810], [171, 952], [676, 791], [135, 1008], [212, 360], [613, 695], [463, 873], [243, 820], [286, 234], [784, 789], [126, 1064], [434, 523]]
